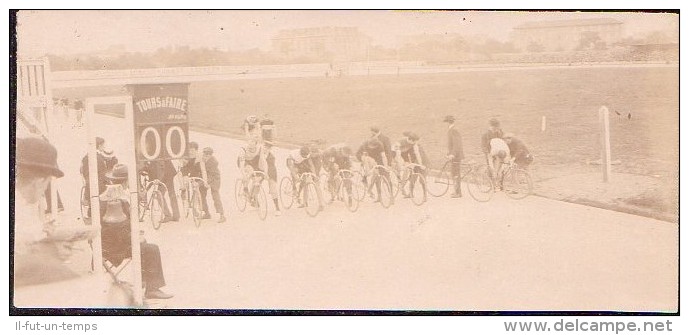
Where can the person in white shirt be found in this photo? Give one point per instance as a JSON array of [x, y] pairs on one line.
[[499, 154]]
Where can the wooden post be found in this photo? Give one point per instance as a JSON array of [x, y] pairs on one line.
[[604, 117], [94, 200], [132, 179], [543, 123]]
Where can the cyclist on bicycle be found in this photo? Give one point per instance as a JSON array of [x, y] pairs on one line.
[[335, 158], [194, 166], [255, 157], [410, 152], [301, 161], [252, 127], [370, 154], [499, 154]]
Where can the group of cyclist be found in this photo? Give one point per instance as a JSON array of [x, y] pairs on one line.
[[377, 155]]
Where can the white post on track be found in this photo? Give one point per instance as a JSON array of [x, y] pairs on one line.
[[604, 118]]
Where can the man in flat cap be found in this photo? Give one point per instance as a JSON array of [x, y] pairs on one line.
[[455, 153]]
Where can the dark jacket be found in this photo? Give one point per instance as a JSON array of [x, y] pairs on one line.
[[103, 166], [376, 151], [213, 171], [454, 144], [161, 170], [518, 149], [192, 168], [387, 147]]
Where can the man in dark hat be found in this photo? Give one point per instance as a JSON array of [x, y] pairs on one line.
[[116, 240], [40, 247], [455, 153], [36, 165]]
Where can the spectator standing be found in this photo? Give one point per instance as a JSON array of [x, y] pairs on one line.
[[213, 175], [455, 153]]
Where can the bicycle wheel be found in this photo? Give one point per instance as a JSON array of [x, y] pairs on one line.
[[155, 208], [310, 197], [385, 193], [480, 184], [418, 188], [360, 185], [184, 194], [517, 184], [196, 207], [394, 183], [286, 192], [347, 192], [323, 178], [261, 202], [143, 208], [438, 184], [240, 195]]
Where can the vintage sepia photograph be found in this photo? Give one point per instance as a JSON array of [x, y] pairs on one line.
[[339, 162]]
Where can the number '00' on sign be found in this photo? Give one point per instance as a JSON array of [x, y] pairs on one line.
[[152, 150]]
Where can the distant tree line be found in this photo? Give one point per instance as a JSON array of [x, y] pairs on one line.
[[454, 49]]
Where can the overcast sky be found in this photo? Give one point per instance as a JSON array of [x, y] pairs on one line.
[[66, 32]]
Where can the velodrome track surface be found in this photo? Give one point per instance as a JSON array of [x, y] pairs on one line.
[[449, 254]]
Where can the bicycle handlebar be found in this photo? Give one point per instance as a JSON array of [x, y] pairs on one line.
[[414, 165], [259, 174], [156, 182], [344, 172], [383, 167], [308, 174]]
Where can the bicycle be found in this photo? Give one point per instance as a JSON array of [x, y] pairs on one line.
[[409, 182], [304, 191], [476, 177], [251, 191], [152, 200], [191, 199], [516, 182], [378, 177], [342, 186]]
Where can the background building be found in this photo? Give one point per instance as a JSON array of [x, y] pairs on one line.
[[566, 35], [322, 43]]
